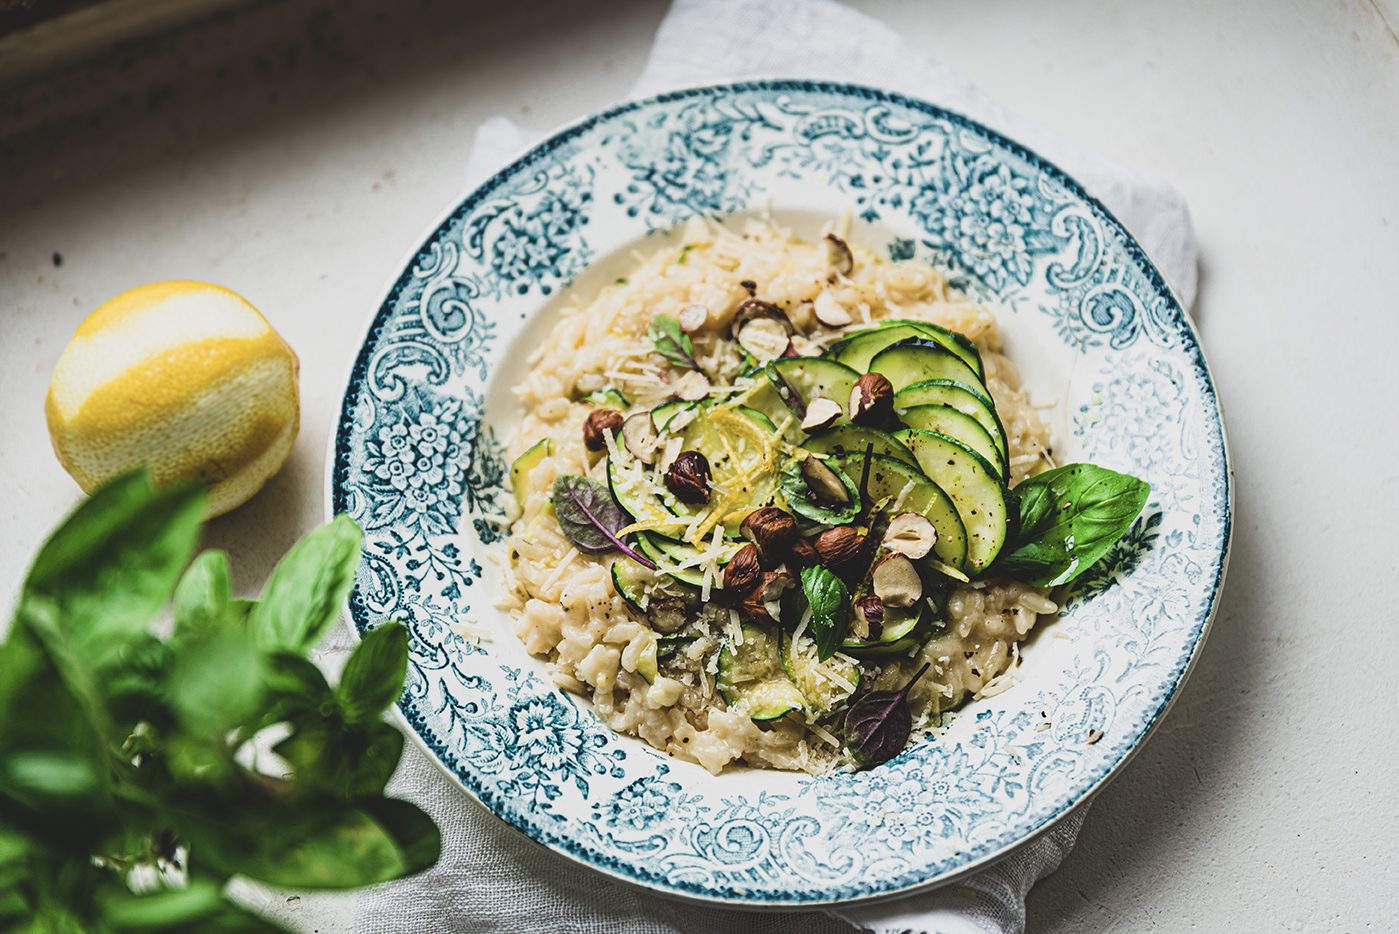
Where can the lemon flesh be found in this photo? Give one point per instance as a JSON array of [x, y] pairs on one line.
[[184, 377]]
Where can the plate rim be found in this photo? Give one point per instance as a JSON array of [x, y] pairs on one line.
[[563, 133]]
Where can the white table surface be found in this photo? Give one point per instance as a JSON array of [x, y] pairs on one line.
[[294, 152]]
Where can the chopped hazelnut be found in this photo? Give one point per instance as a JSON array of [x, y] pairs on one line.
[[640, 438], [839, 259], [872, 400], [744, 570], [824, 483], [838, 545], [772, 531], [598, 425], [910, 534], [688, 478], [820, 413], [896, 581]]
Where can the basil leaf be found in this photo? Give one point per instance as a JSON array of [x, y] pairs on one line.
[[829, 601], [1069, 518], [877, 726], [164, 909], [373, 676], [217, 681], [307, 588], [590, 517], [124, 743], [316, 844], [671, 342], [202, 596], [111, 565], [348, 764], [797, 492]]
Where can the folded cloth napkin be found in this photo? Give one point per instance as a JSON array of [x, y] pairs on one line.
[[491, 878]]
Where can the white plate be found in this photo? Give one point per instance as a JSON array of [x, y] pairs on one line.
[[417, 460]]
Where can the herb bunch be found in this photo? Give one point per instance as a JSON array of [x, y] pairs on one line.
[[143, 764]]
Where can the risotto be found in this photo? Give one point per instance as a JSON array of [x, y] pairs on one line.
[[761, 478]]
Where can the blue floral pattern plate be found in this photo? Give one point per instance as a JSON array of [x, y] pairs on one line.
[[418, 460]]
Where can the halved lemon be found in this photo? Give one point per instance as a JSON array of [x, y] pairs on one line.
[[184, 377]]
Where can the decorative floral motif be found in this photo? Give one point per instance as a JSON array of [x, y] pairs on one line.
[[646, 802], [982, 219], [416, 465], [413, 463], [912, 810], [534, 240]]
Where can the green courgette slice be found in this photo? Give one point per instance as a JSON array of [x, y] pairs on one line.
[[890, 478], [974, 487], [751, 678]]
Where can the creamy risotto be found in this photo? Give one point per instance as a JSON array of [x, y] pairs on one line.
[[760, 478]]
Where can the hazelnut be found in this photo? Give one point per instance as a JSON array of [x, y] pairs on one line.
[[692, 318], [839, 259], [764, 602], [688, 478], [872, 400], [765, 338], [820, 413], [910, 534], [839, 545], [830, 312], [640, 438], [895, 580], [692, 387], [869, 616], [825, 484], [772, 531], [803, 554], [753, 309], [743, 570], [599, 424]]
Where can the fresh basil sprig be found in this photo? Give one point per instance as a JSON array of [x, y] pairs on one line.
[[671, 342], [797, 492], [131, 788], [1069, 518], [590, 517], [877, 725], [829, 601]]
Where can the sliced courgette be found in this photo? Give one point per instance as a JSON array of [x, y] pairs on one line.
[[859, 349], [751, 678], [902, 627], [963, 397], [959, 344], [646, 663], [956, 424], [629, 579], [668, 554], [668, 646], [634, 491], [814, 378], [738, 444], [972, 484], [890, 478], [854, 440], [663, 413], [916, 360], [608, 397], [823, 685], [899, 648], [524, 464]]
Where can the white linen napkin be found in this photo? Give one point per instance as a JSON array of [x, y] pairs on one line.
[[491, 878]]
